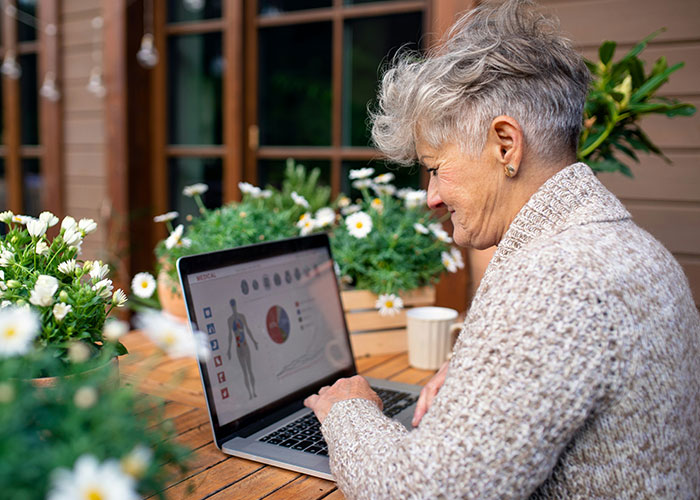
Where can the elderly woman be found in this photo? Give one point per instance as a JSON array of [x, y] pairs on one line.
[[577, 372]]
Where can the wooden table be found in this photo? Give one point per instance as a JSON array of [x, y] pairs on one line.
[[212, 474]]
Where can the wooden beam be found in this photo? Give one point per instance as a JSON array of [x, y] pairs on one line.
[[250, 75], [159, 120], [12, 117], [51, 113], [233, 99]]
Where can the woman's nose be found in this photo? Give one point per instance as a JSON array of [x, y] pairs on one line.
[[434, 200]]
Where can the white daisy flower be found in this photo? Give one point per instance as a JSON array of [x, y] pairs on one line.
[[350, 209], [103, 288], [5, 303], [119, 298], [136, 462], [21, 219], [36, 228], [42, 248], [98, 270], [87, 226], [457, 256], [381, 189], [50, 219], [416, 199], [114, 329], [420, 228], [384, 178], [143, 285], [60, 310], [18, 327], [6, 216], [166, 217], [359, 224], [303, 218], [361, 173], [91, 480], [448, 262], [443, 236], [175, 238], [300, 200], [72, 236], [435, 227], [343, 202], [362, 183], [68, 267], [195, 189], [247, 188], [85, 397], [265, 193], [6, 258], [173, 336], [325, 216], [389, 304], [377, 205], [68, 223], [307, 226], [44, 290]]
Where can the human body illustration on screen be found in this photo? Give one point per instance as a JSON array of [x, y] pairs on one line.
[[238, 327]]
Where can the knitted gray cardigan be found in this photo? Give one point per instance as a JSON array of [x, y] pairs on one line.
[[576, 374]]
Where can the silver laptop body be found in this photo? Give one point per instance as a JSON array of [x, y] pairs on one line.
[[277, 332]]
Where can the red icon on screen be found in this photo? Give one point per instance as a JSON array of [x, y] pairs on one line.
[[224, 393], [217, 361], [221, 376]]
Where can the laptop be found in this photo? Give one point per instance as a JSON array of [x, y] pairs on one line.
[[275, 325]]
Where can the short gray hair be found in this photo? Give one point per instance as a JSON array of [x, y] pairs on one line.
[[504, 59]]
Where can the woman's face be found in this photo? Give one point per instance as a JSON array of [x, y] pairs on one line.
[[471, 189]]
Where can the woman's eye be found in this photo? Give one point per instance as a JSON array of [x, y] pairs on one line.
[[432, 171]]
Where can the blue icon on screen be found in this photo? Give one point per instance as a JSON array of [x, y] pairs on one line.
[[214, 345], [207, 312], [211, 329]]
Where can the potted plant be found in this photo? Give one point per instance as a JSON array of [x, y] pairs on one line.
[[71, 298], [621, 94]]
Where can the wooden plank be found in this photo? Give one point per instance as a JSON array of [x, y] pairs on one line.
[[365, 362], [257, 485], [336, 495], [73, 8], [677, 227], [382, 342], [212, 480], [89, 131], [85, 195], [364, 299], [78, 31], [76, 65], [77, 99], [626, 21], [307, 487], [654, 179], [372, 320], [392, 367], [413, 376]]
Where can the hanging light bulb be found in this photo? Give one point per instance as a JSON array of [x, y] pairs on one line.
[[147, 55], [193, 5], [95, 85], [48, 89], [10, 67]]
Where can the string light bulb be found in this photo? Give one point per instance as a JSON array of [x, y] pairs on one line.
[[10, 67], [147, 56], [95, 85], [48, 89]]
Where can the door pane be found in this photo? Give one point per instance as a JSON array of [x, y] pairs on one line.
[[271, 172], [195, 68], [193, 10], [188, 171], [272, 7], [32, 185], [29, 104], [295, 85], [26, 32], [367, 44], [404, 177]]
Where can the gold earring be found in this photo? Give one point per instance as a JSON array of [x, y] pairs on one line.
[[509, 170]]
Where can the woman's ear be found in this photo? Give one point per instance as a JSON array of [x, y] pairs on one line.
[[507, 142]]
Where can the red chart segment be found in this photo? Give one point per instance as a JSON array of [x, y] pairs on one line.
[[278, 325]]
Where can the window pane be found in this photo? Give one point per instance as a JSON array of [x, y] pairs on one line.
[[367, 44], [404, 177], [295, 85], [271, 172], [195, 68], [193, 10], [272, 7], [25, 32], [188, 171], [32, 185], [29, 92]]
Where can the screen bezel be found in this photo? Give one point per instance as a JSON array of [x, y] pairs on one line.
[[203, 262]]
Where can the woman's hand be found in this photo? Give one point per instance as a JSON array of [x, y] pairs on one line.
[[427, 394], [344, 388]]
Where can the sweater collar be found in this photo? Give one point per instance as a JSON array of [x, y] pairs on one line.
[[572, 196]]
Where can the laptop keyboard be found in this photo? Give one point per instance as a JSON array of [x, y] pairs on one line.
[[304, 433]]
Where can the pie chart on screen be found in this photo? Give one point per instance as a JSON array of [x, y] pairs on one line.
[[278, 325]]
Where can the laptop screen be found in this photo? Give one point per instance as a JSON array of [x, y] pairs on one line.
[[274, 324]]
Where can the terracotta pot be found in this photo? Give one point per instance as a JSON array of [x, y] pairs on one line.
[[111, 366], [170, 296]]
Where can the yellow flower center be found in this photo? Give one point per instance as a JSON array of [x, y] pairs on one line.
[[358, 225], [144, 284], [10, 332], [389, 304], [168, 338], [93, 494]]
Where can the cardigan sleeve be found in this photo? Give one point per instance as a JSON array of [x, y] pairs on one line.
[[537, 355]]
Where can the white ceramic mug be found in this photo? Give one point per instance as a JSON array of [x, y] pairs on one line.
[[431, 334]]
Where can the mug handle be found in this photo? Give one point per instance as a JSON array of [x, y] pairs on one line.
[[455, 330]]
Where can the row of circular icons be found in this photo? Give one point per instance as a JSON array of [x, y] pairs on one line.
[[277, 278]]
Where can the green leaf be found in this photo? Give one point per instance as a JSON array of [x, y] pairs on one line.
[[681, 110], [653, 83], [636, 70], [606, 51], [637, 49]]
